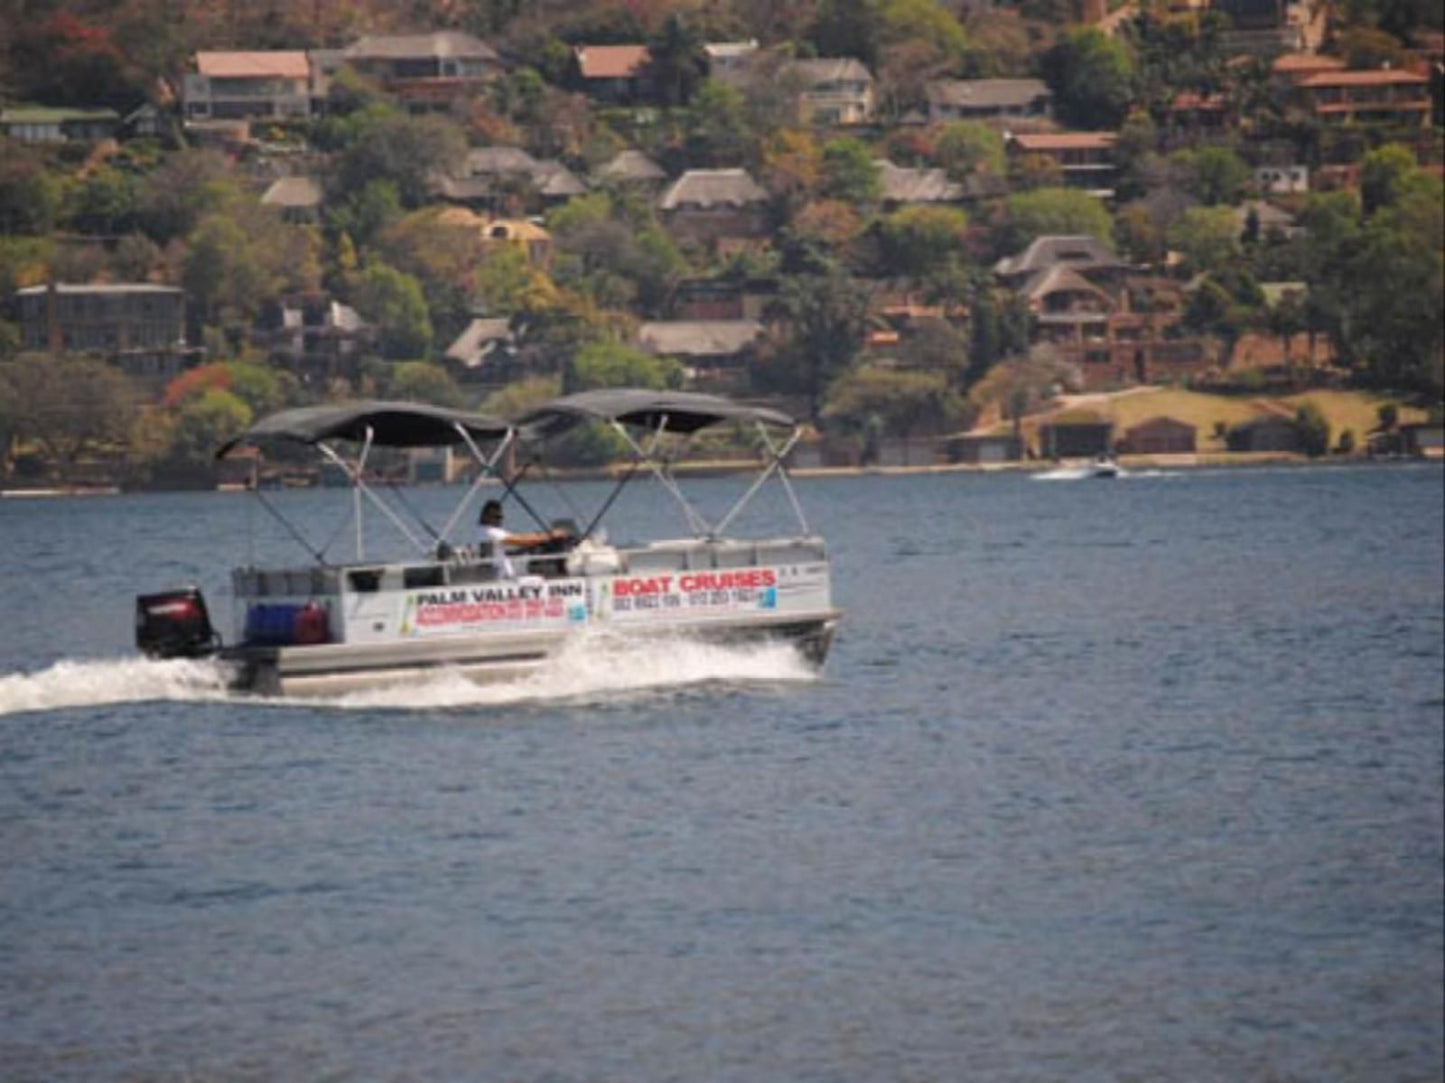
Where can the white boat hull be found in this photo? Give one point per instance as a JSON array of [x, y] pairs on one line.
[[330, 669]]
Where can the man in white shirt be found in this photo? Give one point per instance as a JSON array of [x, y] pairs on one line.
[[496, 539]]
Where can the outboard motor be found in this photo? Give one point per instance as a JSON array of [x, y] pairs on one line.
[[174, 624]]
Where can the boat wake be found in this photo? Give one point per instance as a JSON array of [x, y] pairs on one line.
[[88, 683], [596, 665]]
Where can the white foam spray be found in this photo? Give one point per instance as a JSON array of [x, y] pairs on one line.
[[601, 664], [592, 665], [84, 683]]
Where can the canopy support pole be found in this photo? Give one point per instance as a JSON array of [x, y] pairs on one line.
[[359, 487], [775, 466], [695, 521]]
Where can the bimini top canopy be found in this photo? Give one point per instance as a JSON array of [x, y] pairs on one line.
[[670, 411], [392, 424]]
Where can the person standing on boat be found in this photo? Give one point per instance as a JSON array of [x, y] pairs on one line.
[[496, 539]]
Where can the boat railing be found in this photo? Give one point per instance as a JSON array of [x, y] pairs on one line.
[[688, 554]]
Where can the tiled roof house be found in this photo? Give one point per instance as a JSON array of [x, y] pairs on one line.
[[244, 85]]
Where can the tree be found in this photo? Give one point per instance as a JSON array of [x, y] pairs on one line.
[[917, 240], [1216, 175], [188, 185], [676, 63], [1383, 175], [792, 166], [1054, 211], [1208, 238], [364, 214], [422, 381], [393, 301], [717, 128], [1091, 75], [1020, 385], [408, 151], [205, 422], [850, 172], [611, 364], [827, 315], [966, 147], [105, 202], [847, 28], [1314, 430], [907, 403], [67, 404], [29, 195]]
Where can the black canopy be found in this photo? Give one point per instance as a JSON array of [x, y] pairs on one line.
[[392, 424], [673, 411]]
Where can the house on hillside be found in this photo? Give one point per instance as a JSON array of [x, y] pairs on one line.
[[984, 447], [1080, 252], [1282, 180], [724, 209], [426, 71], [632, 168], [993, 101], [1076, 434], [1159, 436], [1266, 221], [248, 86], [1085, 160], [506, 180], [138, 326], [315, 336], [836, 91], [613, 74], [715, 353], [1268, 433], [1366, 97], [1289, 68], [724, 298], [728, 60], [46, 124]]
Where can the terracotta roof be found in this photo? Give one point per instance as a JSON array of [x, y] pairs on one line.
[[610, 61], [711, 188], [451, 43], [284, 64], [1046, 141], [1304, 63], [1190, 100], [1383, 77]]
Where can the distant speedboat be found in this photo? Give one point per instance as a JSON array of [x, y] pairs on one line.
[[333, 627], [1104, 467]]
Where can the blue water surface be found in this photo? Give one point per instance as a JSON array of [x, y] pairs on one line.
[[1135, 780]]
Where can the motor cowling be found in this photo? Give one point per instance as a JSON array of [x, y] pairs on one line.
[[174, 624]]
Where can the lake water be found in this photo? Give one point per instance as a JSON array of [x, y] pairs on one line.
[[1103, 781]]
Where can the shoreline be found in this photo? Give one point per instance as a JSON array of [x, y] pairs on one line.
[[1128, 463]]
